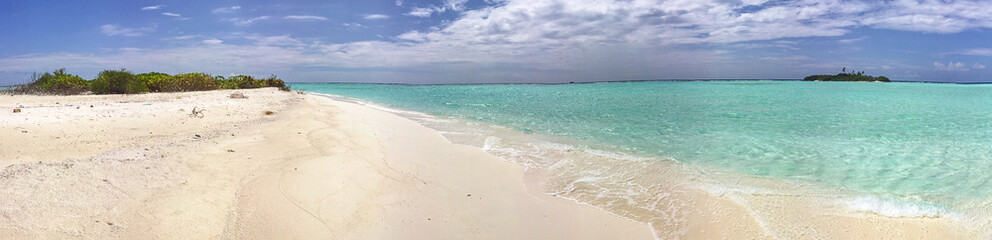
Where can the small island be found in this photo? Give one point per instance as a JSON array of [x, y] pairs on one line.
[[844, 76]]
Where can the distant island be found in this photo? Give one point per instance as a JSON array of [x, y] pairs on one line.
[[844, 76]]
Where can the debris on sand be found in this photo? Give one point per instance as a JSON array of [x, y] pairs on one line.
[[238, 95], [197, 113], [17, 110]]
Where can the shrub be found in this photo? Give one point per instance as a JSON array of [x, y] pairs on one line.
[[56, 82], [125, 82], [241, 82], [196, 82], [273, 81], [154, 80], [245, 82], [185, 82], [117, 82], [100, 86]]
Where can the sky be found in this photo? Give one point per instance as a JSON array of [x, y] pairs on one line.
[[500, 41]]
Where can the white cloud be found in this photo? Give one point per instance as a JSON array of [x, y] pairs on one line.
[[213, 41], [852, 40], [456, 5], [399, 3], [453, 5], [976, 52], [117, 30], [230, 9], [578, 39], [413, 36], [375, 17], [951, 66], [353, 25], [176, 15], [786, 58], [930, 16], [306, 18], [244, 22], [281, 41], [422, 12], [156, 7], [184, 37]]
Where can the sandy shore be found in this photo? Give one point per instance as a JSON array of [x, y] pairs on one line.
[[139, 167], [281, 165]]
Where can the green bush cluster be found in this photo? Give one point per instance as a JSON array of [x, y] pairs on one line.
[[56, 82], [186, 82], [117, 82], [125, 82], [244, 81], [154, 80]]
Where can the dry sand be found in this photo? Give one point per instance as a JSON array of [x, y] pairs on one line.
[[133, 167], [140, 167]]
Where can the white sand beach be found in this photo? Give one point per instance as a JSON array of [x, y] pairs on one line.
[[281, 165], [139, 167]]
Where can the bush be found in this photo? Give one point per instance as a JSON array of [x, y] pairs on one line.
[[241, 82], [154, 80], [56, 82], [183, 82], [117, 82], [273, 81], [196, 82], [125, 82], [246, 82]]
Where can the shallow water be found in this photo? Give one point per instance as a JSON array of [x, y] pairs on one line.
[[905, 149]]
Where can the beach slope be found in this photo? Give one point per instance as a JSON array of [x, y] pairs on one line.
[[276, 165]]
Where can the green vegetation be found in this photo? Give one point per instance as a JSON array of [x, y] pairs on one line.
[[154, 80], [847, 77], [243, 81], [190, 82], [126, 82], [117, 82], [57, 82]]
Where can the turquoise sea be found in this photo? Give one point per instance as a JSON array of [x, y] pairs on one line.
[[912, 149]]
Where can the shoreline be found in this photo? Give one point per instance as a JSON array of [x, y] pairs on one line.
[[635, 81], [137, 166], [316, 168], [838, 211]]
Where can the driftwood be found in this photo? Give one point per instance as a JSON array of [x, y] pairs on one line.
[[197, 113]]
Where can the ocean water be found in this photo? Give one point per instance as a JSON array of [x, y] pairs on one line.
[[897, 149]]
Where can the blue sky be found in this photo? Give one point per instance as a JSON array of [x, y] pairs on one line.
[[487, 41]]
